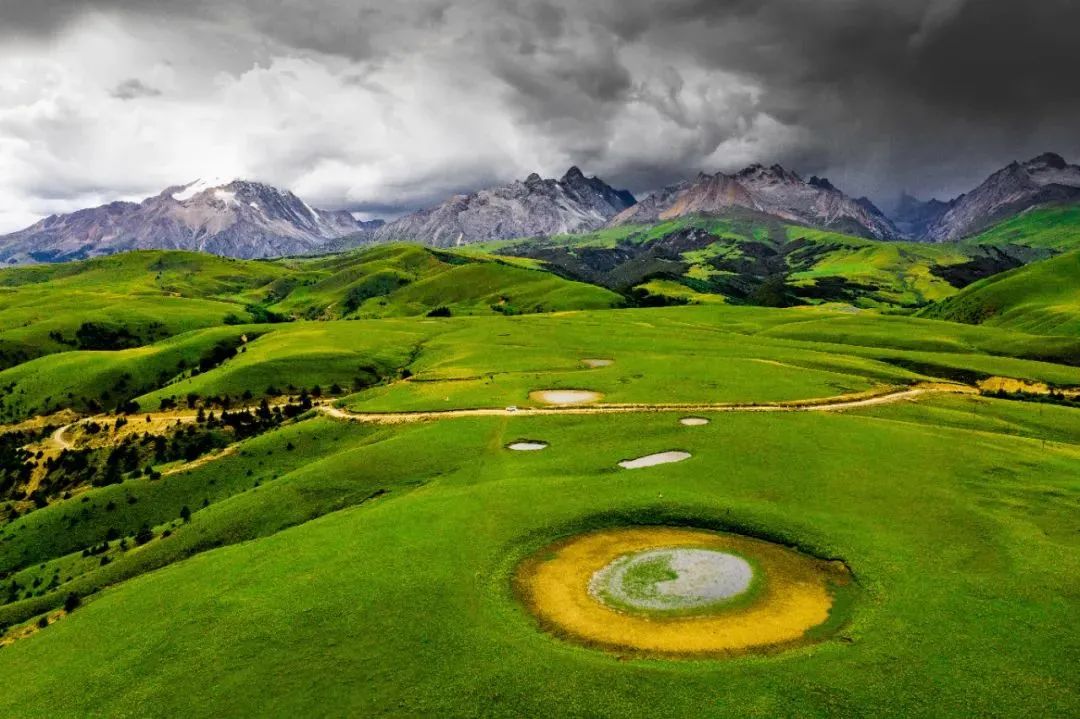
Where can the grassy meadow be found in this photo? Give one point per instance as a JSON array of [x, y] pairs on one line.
[[402, 605], [234, 549], [1040, 298]]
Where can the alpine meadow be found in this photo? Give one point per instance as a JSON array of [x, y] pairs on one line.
[[390, 414]]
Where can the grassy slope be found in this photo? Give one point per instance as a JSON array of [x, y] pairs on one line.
[[74, 379], [671, 354], [712, 354], [893, 273], [416, 583], [1041, 298], [308, 354], [902, 270], [157, 294], [152, 294], [407, 280], [1054, 228], [403, 607]]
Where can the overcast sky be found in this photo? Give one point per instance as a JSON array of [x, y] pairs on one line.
[[380, 107]]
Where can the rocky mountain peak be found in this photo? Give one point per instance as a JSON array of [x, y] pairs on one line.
[[537, 206], [235, 218], [823, 183], [1048, 159], [573, 174], [771, 190], [774, 173], [1016, 187]]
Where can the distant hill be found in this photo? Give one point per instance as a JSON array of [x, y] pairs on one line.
[[135, 298], [400, 280], [749, 257], [771, 190], [534, 206], [233, 219], [122, 301]]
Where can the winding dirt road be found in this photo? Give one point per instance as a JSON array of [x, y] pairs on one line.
[[829, 404], [57, 437]]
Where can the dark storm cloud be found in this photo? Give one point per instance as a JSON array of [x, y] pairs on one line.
[[881, 95], [924, 94]]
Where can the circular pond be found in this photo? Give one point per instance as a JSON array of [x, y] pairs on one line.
[[677, 591], [672, 580]]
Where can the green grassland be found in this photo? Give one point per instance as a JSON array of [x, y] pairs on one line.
[[307, 354], [133, 299], [901, 272], [327, 567], [749, 258], [90, 381], [691, 354], [1054, 227], [401, 604], [1040, 298], [408, 280]]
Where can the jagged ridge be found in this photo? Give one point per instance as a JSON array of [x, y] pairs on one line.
[[772, 190], [534, 206], [1019, 186], [235, 219]]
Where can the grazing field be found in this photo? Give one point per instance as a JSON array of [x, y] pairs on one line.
[[403, 604], [749, 258], [1055, 227], [407, 280], [1040, 298], [335, 517], [136, 298]]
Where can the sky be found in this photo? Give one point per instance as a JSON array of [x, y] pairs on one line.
[[383, 107]]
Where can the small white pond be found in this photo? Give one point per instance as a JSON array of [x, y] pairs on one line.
[[527, 446], [565, 396], [654, 459]]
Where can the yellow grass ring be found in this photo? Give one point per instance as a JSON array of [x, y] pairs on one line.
[[679, 592]]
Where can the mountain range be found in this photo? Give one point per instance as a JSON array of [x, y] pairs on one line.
[[1043, 180], [771, 190], [534, 206], [253, 220], [235, 219]]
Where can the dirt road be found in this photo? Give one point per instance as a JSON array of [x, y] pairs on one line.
[[829, 404]]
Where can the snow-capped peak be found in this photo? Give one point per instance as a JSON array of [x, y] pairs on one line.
[[198, 186], [225, 196]]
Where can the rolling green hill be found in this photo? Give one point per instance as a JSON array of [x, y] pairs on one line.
[[136, 298], [749, 258], [405, 280], [291, 488], [92, 381], [123, 301], [348, 567], [1055, 228], [1040, 298]]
